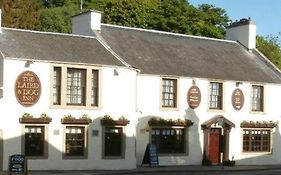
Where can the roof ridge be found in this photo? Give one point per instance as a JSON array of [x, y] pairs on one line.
[[169, 33], [48, 33]]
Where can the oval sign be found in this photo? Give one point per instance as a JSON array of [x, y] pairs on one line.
[[237, 99], [194, 97], [27, 88]]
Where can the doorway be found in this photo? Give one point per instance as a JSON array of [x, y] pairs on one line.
[[216, 140]]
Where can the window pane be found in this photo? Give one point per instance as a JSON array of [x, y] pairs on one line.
[[215, 95], [256, 140], [168, 140], [74, 141], [169, 92], [94, 92], [76, 86], [113, 141], [34, 140], [257, 98], [57, 86]]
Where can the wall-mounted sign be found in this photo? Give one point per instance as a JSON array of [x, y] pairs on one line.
[[27, 88], [237, 99], [17, 164], [194, 97]]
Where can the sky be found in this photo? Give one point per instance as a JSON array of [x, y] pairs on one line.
[[265, 13]]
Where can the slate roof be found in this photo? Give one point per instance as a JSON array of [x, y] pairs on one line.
[[163, 53], [52, 47]]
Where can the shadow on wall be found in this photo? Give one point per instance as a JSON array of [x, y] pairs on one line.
[[193, 145], [55, 160]]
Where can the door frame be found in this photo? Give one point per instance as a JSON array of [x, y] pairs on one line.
[[1, 150], [225, 125]]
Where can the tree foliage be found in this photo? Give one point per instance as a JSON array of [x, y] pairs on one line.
[[270, 47], [21, 14]]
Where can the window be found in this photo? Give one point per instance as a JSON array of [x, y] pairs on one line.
[[76, 86], [113, 141], [169, 93], [216, 91], [94, 85], [34, 141], [257, 98], [57, 86], [75, 141], [169, 140], [256, 140]]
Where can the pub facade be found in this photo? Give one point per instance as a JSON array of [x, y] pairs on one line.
[[94, 99]]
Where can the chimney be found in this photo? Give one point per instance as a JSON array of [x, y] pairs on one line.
[[243, 31], [86, 23]]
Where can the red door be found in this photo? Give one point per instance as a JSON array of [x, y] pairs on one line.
[[214, 146]]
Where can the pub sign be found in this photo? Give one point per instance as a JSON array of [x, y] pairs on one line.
[[27, 88], [194, 97], [237, 99]]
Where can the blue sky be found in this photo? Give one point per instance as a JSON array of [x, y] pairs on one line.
[[265, 13]]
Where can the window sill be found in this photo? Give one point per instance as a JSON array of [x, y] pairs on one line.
[[113, 157], [35, 120], [257, 153], [172, 154], [36, 157], [74, 157]]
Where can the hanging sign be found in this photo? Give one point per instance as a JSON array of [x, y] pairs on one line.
[[27, 88], [194, 97], [237, 99]]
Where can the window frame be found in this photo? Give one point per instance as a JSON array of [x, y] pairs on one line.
[[88, 87], [260, 100], [219, 102], [185, 139], [123, 142], [85, 149], [250, 151], [45, 141], [175, 93]]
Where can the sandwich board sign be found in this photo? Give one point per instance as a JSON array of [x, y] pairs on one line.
[[17, 165], [151, 155]]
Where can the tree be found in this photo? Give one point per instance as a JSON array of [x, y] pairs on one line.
[[21, 14], [270, 47]]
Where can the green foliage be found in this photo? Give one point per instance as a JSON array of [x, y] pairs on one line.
[[21, 14], [56, 19], [270, 47]]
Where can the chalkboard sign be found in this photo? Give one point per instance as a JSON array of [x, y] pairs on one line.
[[17, 164], [151, 155]]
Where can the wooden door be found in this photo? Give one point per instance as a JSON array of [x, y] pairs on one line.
[[214, 145]]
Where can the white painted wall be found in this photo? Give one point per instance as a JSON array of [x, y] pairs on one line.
[[117, 96], [149, 105]]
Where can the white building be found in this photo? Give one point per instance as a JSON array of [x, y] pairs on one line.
[[199, 100]]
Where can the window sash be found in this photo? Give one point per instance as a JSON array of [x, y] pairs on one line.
[[256, 140], [216, 92], [57, 86], [257, 98], [76, 86], [169, 93], [169, 140], [34, 141], [75, 141], [94, 88]]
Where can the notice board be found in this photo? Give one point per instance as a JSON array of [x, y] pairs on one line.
[[151, 155]]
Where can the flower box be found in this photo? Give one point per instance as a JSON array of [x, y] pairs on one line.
[[155, 121], [75, 121], [35, 120], [108, 121]]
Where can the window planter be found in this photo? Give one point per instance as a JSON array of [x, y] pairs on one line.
[[258, 124], [71, 120], [108, 121], [28, 118], [155, 121]]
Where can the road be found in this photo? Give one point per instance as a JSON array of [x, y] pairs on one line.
[[260, 172]]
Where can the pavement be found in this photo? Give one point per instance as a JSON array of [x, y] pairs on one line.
[[156, 169]]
